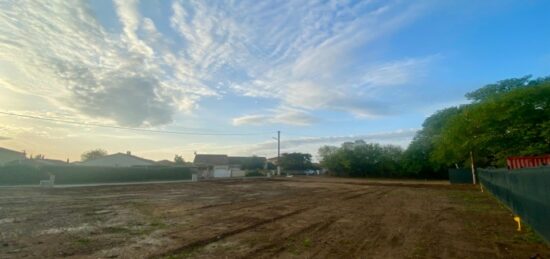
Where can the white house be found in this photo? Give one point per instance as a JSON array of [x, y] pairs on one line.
[[219, 166], [213, 165], [7, 156], [118, 160]]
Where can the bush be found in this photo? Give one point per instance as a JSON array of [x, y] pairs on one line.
[[29, 175]]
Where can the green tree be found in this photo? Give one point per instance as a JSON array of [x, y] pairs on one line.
[[510, 123], [253, 163], [178, 160], [361, 159], [416, 159], [93, 154], [295, 161]]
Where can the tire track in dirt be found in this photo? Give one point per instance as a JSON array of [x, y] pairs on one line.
[[313, 228], [260, 207], [220, 236]]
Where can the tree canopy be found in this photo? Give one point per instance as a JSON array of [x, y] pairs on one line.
[[360, 159], [178, 160], [509, 124], [93, 154], [253, 163], [295, 161]]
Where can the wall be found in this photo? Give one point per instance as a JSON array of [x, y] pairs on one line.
[[460, 176], [29, 175]]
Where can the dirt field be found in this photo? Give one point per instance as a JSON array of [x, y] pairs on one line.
[[310, 217]]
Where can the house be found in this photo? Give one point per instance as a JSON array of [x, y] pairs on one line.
[[213, 165], [7, 156], [226, 166], [118, 160]]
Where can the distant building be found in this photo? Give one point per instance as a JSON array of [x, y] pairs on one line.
[[118, 160], [7, 156], [219, 166], [213, 165]]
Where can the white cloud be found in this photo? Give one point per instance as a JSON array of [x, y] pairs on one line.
[[59, 51], [281, 115], [302, 54], [311, 144], [251, 120], [316, 66]]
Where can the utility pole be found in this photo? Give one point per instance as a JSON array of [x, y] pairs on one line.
[[278, 152], [473, 167]]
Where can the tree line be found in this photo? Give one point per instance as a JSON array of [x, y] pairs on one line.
[[508, 118]]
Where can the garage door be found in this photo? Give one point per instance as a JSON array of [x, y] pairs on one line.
[[221, 172]]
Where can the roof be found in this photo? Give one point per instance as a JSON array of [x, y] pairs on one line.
[[11, 151], [239, 160], [205, 159], [165, 162], [135, 157]]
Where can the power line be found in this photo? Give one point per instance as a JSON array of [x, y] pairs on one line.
[[134, 129]]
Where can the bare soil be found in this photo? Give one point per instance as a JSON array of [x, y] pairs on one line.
[[300, 217]]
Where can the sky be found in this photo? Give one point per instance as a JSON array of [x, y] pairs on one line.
[[222, 77]]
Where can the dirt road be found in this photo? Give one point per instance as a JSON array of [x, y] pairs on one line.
[[300, 217]]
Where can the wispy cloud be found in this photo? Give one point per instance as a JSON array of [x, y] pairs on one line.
[[311, 144], [61, 52], [301, 54], [282, 115]]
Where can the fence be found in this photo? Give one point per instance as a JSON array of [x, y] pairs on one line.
[[29, 175], [525, 191], [459, 176]]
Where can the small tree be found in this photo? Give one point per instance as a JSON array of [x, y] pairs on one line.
[[253, 163], [178, 160], [295, 161], [93, 154]]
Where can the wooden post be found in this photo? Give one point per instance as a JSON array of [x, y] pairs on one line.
[[473, 167]]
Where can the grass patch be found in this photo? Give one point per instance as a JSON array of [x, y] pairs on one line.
[[481, 211], [188, 253], [528, 235], [307, 242], [116, 230], [475, 201], [83, 241]]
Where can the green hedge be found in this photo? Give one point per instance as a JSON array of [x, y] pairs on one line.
[[526, 191], [29, 175]]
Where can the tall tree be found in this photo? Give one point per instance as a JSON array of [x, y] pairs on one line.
[[416, 160], [511, 123]]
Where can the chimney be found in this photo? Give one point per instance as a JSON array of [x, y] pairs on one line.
[[128, 153]]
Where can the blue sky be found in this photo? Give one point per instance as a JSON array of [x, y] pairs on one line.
[[322, 72]]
